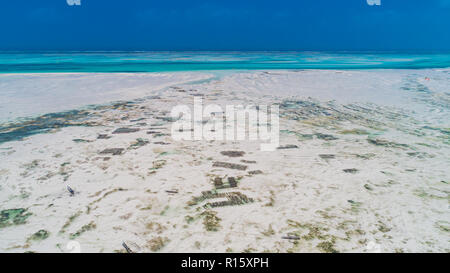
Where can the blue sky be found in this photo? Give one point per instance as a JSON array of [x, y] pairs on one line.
[[353, 25]]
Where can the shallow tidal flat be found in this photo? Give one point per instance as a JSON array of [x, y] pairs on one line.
[[347, 177]]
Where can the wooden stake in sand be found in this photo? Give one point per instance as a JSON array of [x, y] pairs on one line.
[[127, 248]]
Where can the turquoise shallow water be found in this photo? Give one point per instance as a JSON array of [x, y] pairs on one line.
[[191, 61]]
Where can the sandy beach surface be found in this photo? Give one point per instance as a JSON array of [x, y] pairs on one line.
[[363, 164]]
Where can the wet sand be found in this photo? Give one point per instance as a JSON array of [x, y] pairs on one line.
[[356, 170]]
